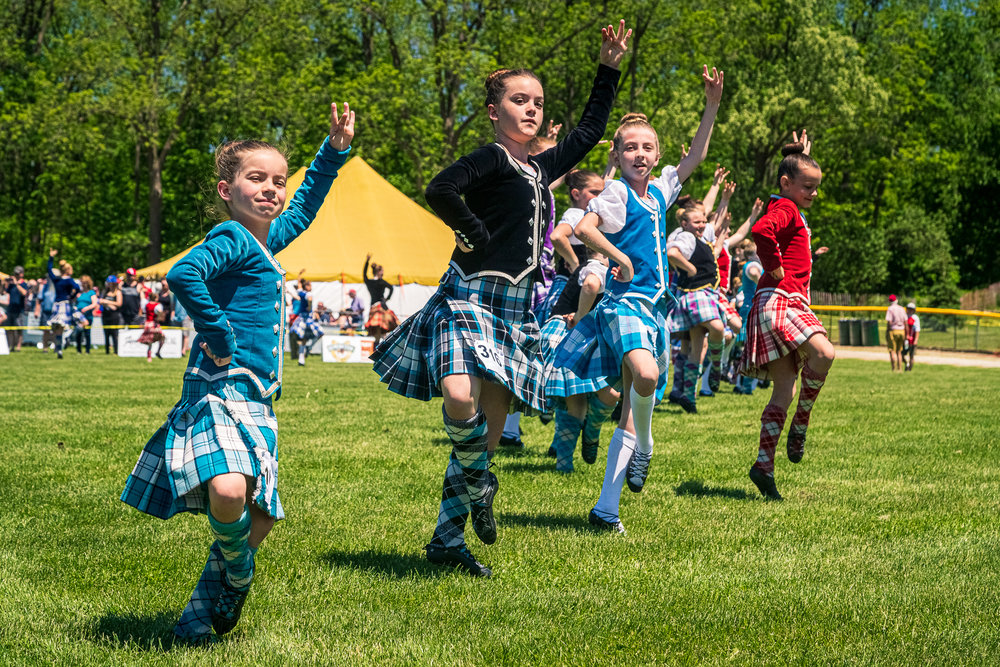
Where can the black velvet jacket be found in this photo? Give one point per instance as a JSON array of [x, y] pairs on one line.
[[503, 216]]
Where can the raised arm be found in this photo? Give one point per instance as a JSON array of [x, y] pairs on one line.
[[52, 255], [737, 237], [720, 216], [713, 191], [699, 145], [309, 196], [364, 271], [567, 153]]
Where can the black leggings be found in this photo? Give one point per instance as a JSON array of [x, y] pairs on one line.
[[110, 339], [83, 337]]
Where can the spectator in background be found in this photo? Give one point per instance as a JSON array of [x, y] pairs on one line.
[[351, 317], [912, 333], [131, 300], [166, 299], [18, 292], [323, 313], [111, 312], [895, 332], [83, 316], [186, 324]]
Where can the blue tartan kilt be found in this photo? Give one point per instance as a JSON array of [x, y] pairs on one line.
[[596, 346], [694, 308], [62, 315], [480, 327], [215, 428], [544, 309], [561, 381], [306, 328]]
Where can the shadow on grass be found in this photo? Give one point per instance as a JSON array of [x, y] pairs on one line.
[[148, 632], [562, 521], [393, 564], [697, 488]]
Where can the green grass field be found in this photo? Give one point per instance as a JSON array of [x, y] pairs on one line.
[[885, 551]]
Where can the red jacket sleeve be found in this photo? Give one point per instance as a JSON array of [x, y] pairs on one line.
[[765, 235]]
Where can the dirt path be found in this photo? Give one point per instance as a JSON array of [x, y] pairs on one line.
[[923, 357]]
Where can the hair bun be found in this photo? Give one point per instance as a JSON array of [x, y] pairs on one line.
[[792, 149], [683, 201], [632, 116]]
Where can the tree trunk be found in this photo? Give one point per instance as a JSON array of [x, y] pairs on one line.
[[155, 206]]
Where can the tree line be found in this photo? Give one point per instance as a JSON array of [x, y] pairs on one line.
[[110, 111]]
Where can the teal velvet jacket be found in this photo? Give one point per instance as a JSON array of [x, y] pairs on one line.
[[233, 288]]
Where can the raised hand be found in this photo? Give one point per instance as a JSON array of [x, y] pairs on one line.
[[713, 84], [720, 174], [684, 151], [614, 44], [53, 252], [727, 190], [341, 127], [758, 207], [553, 130], [806, 143]]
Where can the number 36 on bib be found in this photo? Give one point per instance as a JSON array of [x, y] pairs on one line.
[[490, 358]]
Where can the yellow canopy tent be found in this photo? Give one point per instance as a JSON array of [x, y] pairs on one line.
[[362, 213]]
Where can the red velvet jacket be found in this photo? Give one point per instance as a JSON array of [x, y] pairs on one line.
[[782, 238]]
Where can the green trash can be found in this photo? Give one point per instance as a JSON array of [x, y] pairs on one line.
[[869, 333], [844, 331], [855, 332]]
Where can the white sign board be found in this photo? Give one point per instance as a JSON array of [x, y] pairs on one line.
[[129, 345], [347, 349]]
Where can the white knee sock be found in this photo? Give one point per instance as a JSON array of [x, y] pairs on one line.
[[642, 417], [619, 452], [512, 427]]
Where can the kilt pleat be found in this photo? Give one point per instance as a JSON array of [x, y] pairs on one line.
[[478, 327], [777, 325], [560, 381], [694, 308], [62, 315], [596, 346], [215, 428]]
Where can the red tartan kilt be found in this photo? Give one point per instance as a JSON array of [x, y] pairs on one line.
[[151, 333], [776, 326], [381, 318]]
